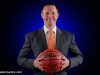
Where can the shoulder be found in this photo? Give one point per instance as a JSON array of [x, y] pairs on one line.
[[32, 34], [66, 33]]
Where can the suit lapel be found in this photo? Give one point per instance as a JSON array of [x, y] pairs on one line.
[[58, 39], [42, 39]]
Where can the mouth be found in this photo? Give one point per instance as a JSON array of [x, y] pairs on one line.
[[50, 21]]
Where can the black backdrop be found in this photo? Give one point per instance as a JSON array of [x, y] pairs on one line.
[[10, 32]]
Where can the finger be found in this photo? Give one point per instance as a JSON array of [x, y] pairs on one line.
[[41, 64], [40, 67], [38, 63], [63, 62], [63, 58], [40, 58], [64, 66], [39, 55]]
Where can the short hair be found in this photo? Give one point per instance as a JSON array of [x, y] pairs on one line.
[[49, 3]]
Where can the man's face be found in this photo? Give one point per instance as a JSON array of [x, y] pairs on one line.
[[50, 16]]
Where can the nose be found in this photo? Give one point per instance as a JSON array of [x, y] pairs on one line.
[[50, 15]]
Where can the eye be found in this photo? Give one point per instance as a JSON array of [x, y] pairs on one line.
[[47, 13], [53, 13]]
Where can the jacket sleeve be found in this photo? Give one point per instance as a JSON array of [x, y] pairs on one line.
[[76, 55], [23, 58]]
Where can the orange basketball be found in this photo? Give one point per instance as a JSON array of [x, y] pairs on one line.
[[52, 62]]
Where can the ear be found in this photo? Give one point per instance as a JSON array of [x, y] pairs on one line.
[[41, 14], [58, 15]]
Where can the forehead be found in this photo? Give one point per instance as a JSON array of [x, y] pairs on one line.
[[49, 8]]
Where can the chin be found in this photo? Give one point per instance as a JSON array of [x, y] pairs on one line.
[[50, 27]]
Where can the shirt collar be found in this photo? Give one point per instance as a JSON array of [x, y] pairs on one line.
[[46, 29]]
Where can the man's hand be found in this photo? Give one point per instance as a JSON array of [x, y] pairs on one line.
[[38, 64], [65, 62]]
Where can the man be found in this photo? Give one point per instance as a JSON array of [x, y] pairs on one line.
[[37, 41]]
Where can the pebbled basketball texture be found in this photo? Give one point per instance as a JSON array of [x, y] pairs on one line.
[[52, 62]]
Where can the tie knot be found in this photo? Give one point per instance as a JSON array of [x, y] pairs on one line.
[[51, 32]]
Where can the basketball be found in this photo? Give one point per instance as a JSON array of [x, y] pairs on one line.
[[52, 62]]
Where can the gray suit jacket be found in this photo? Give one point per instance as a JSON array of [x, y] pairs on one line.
[[35, 42]]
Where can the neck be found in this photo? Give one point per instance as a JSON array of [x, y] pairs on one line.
[[50, 27]]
